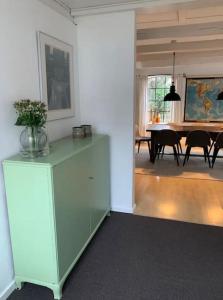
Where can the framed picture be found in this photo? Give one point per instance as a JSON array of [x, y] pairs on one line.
[[56, 76], [200, 101]]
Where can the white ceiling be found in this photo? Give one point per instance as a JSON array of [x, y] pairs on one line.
[[84, 4], [77, 4], [194, 31], [87, 7], [193, 28]]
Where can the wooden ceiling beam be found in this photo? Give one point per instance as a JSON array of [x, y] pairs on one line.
[[180, 62], [179, 40], [159, 60], [175, 32], [184, 55], [180, 15], [181, 47]]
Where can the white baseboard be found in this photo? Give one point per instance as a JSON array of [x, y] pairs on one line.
[[8, 290], [128, 210]]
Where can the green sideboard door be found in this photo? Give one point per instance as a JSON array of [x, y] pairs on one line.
[[100, 184], [55, 205]]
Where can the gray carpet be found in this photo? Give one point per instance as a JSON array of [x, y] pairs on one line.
[[195, 168], [134, 257]]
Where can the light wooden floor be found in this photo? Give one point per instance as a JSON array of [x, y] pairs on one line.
[[190, 200]]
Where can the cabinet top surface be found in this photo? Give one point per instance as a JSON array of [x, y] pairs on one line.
[[60, 150]]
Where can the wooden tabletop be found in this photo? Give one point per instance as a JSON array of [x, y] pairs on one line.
[[210, 127]]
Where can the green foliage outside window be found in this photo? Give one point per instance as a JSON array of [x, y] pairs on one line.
[[158, 87]]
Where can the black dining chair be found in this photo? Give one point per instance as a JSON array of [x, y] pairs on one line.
[[198, 138], [217, 146], [139, 139], [167, 137], [179, 147]]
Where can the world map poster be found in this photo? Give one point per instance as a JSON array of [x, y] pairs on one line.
[[201, 104]]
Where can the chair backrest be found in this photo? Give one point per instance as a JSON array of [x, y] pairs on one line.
[[213, 135], [219, 140], [198, 138], [167, 137]]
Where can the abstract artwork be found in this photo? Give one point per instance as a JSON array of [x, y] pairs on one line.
[[201, 104], [56, 76]]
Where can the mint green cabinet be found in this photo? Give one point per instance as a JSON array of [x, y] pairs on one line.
[[55, 205], [99, 183]]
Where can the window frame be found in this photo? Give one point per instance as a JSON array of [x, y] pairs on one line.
[[167, 106]]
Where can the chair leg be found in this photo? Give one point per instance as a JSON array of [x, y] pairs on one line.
[[187, 154], [205, 156], [162, 150], [215, 153], [178, 149], [156, 152], [159, 150], [212, 144], [139, 142], [176, 154], [208, 157], [188, 157], [149, 146]]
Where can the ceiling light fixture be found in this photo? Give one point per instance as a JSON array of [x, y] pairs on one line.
[[172, 95]]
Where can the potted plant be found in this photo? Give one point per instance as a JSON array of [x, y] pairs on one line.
[[32, 115]]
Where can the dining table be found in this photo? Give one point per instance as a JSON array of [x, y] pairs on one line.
[[182, 129]]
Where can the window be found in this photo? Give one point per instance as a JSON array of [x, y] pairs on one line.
[[158, 87]]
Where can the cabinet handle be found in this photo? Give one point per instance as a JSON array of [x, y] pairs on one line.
[[90, 177]]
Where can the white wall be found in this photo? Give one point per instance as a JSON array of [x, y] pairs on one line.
[[208, 69], [106, 58], [19, 22]]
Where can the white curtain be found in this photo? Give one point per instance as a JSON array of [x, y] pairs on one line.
[[177, 112], [141, 100]]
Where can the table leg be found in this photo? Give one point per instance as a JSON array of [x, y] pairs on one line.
[[152, 152]]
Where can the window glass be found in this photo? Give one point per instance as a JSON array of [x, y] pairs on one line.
[[158, 87], [152, 94], [152, 82]]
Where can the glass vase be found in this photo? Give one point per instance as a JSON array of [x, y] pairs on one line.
[[33, 140]]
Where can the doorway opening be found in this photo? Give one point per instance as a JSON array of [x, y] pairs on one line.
[[193, 192]]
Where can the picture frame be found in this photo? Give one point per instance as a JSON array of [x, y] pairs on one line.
[[56, 76], [200, 99]]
